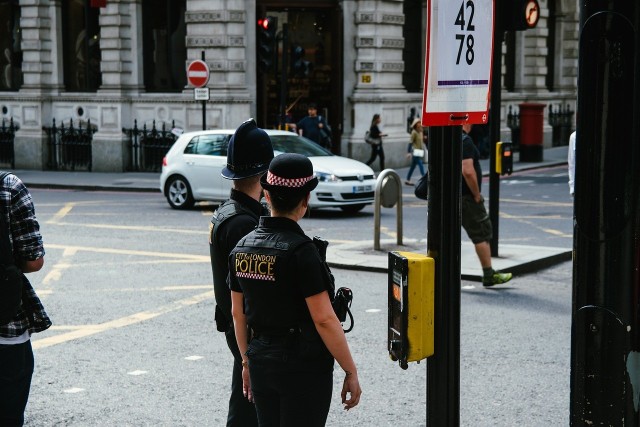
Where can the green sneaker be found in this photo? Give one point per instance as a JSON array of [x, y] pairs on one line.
[[497, 278]]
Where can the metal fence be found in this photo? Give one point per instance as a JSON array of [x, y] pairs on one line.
[[7, 137], [70, 147], [148, 146], [561, 121]]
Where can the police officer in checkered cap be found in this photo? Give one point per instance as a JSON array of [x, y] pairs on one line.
[[248, 157], [282, 290]]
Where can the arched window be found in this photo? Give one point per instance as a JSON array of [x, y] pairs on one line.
[[10, 51], [164, 49], [81, 46]]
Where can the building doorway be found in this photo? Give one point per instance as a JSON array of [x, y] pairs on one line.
[[312, 56]]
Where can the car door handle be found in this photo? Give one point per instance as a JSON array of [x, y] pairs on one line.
[[190, 163]]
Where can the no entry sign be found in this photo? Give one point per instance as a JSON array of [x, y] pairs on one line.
[[198, 73], [458, 62]]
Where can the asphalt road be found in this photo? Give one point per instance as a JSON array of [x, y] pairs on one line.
[[127, 283]]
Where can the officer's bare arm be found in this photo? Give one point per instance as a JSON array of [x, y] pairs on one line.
[[31, 266]]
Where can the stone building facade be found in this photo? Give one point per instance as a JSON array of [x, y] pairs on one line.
[[362, 57]]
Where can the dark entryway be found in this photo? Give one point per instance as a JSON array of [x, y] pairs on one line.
[[313, 66]]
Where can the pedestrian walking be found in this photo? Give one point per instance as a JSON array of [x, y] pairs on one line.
[[282, 289], [375, 136], [315, 127], [475, 219], [248, 157], [21, 312], [416, 149]]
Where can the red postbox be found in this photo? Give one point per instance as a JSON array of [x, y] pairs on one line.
[[531, 118]]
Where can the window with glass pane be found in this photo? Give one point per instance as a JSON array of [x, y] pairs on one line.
[[213, 145], [10, 51], [81, 46], [164, 45]]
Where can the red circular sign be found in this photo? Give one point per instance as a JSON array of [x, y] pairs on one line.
[[198, 73]]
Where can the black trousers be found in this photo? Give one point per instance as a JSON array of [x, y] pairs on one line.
[[241, 412], [16, 370], [291, 380], [377, 151]]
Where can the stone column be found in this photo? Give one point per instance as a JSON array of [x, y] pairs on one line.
[[42, 75], [122, 78], [378, 67], [222, 30]]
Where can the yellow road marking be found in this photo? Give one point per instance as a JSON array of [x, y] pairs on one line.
[[537, 202], [61, 213], [56, 271], [204, 231], [88, 330], [195, 258]]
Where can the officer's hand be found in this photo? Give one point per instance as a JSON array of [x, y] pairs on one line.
[[246, 384], [351, 386], [479, 199]]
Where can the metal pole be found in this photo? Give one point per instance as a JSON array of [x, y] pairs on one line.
[[283, 75], [443, 245], [605, 341], [494, 126], [204, 104]]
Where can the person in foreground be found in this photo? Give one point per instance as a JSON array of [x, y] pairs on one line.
[[282, 290], [248, 157], [475, 219], [21, 312]]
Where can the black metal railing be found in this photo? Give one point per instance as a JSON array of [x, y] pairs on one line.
[[513, 123], [561, 121], [70, 147], [148, 146], [7, 137]]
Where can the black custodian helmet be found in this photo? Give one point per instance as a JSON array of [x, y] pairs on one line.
[[249, 152]]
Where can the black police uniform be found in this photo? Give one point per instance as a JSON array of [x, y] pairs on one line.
[[276, 267], [230, 222]]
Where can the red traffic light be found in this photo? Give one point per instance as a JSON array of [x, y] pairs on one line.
[[265, 23]]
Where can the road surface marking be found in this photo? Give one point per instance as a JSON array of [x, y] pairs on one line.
[[137, 372], [56, 271], [121, 322], [193, 358], [194, 258], [61, 213], [73, 390]]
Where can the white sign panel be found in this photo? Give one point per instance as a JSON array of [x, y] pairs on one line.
[[458, 62], [201, 93]]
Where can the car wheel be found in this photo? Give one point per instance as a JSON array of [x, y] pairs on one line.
[[352, 208], [179, 193]]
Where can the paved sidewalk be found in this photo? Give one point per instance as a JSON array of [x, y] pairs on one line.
[[517, 259]]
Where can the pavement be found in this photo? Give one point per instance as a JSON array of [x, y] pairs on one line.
[[360, 255]]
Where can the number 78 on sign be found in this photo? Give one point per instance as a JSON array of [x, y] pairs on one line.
[[459, 58]]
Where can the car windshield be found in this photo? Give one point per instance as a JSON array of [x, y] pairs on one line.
[[297, 144]]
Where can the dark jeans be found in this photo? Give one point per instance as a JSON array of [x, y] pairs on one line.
[[16, 369], [377, 151], [241, 412], [291, 380]]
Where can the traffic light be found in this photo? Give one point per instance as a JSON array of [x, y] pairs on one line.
[[267, 28], [299, 67], [520, 15]]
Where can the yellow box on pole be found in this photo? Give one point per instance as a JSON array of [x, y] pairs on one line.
[[411, 307]]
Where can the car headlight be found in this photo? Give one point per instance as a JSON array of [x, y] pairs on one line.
[[327, 177]]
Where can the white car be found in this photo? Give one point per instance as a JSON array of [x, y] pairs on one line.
[[191, 171]]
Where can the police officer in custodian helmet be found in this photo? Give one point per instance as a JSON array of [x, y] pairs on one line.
[[248, 157], [282, 290]]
